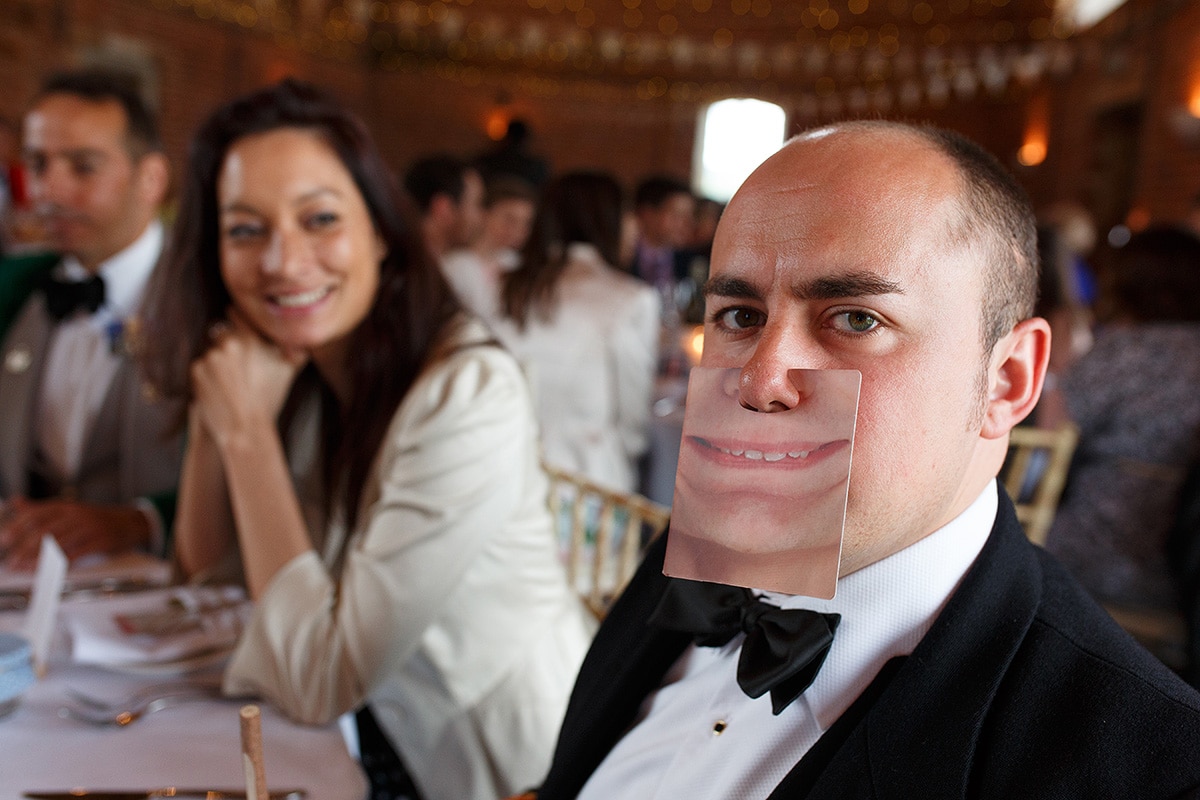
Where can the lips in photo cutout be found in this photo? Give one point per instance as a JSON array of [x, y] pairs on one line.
[[760, 498]]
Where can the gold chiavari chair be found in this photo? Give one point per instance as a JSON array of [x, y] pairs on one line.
[[1035, 472], [603, 533]]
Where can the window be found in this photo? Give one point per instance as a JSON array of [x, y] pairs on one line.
[[735, 136], [1085, 13]]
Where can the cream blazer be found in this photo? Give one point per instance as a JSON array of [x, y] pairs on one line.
[[449, 612], [592, 367]]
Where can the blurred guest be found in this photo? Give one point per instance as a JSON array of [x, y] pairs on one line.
[[367, 456], [475, 272], [449, 194], [12, 189], [1134, 398], [1070, 323], [1183, 556], [1077, 233], [513, 158], [665, 211], [586, 334], [696, 256], [708, 214], [80, 437]]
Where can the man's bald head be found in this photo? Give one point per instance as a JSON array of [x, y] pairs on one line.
[[900, 253], [997, 222]]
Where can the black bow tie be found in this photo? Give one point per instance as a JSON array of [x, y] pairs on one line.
[[63, 298], [783, 650]]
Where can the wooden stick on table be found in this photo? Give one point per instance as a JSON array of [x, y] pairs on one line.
[[252, 753]]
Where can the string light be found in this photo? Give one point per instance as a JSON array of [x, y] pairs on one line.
[[869, 63]]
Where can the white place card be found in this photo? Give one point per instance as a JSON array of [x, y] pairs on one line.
[[44, 600]]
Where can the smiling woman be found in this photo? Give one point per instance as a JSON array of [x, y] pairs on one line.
[[299, 253], [364, 455]]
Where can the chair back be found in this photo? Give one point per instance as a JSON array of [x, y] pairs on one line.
[[602, 534], [1035, 472]]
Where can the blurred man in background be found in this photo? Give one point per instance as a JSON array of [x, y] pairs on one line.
[[81, 454]]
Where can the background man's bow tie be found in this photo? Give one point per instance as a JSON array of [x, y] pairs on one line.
[[63, 298], [783, 650]]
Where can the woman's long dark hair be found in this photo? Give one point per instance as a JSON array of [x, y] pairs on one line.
[[412, 306], [575, 207]]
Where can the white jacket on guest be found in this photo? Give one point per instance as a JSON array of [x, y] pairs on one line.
[[592, 366], [447, 609]]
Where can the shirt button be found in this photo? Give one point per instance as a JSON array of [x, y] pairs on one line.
[[719, 727]]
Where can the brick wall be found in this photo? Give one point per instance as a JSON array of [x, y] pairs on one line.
[[1149, 69]]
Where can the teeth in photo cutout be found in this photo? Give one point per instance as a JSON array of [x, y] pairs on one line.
[[760, 498]]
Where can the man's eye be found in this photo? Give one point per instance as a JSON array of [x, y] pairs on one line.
[[855, 322], [84, 166], [36, 164], [741, 318]]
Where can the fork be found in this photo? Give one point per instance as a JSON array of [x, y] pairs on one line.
[[120, 717], [144, 694]]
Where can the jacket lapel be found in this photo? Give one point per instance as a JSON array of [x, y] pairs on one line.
[[627, 662], [919, 737], [24, 356]]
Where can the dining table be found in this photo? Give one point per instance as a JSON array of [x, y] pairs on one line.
[[195, 744]]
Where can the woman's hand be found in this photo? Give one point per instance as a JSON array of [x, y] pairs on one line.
[[235, 485], [241, 383]]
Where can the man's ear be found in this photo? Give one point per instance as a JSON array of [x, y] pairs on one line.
[[153, 178], [1015, 376]]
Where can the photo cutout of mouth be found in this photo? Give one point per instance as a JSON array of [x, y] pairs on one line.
[[760, 498]]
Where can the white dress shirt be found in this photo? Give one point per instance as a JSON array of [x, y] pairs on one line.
[[699, 736], [83, 355]]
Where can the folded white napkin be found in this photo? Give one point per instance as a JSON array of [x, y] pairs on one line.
[[158, 626]]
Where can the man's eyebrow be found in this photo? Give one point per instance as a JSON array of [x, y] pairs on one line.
[[854, 284], [77, 152], [830, 287], [730, 287]]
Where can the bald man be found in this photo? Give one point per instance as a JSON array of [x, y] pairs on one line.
[[964, 662]]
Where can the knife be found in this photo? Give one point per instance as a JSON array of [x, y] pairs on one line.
[[168, 791]]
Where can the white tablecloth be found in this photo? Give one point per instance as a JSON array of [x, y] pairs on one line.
[[196, 744]]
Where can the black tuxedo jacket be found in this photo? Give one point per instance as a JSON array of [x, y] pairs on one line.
[[1023, 688]]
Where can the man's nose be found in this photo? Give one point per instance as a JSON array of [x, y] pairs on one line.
[[764, 383], [52, 184]]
